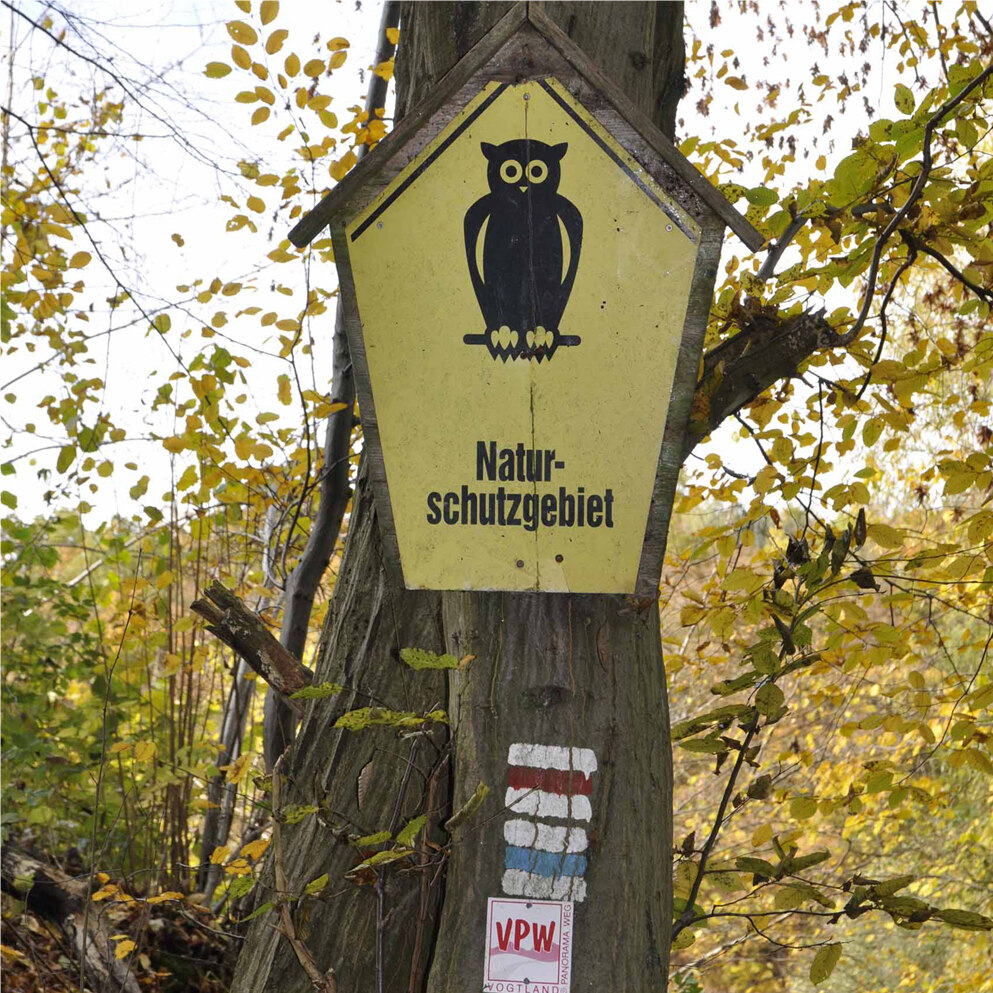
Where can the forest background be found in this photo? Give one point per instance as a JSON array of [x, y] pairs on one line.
[[167, 361]]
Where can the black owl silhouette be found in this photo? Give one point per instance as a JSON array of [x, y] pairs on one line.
[[521, 290]]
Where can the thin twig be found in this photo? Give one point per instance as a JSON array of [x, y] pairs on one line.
[[686, 918], [915, 193], [322, 982]]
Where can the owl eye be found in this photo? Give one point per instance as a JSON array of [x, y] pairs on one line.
[[511, 171], [537, 171]]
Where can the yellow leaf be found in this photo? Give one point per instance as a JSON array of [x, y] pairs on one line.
[[242, 33], [292, 64], [275, 41], [163, 897], [318, 103], [384, 70], [392, 35], [104, 893], [178, 239], [260, 114], [824, 962], [313, 68], [339, 169], [285, 394], [245, 6], [123, 948], [762, 836], [239, 769], [885, 536], [736, 83], [268, 10], [802, 808], [79, 260], [144, 750], [337, 44], [337, 60], [216, 70], [265, 95], [240, 57], [255, 848], [219, 855]]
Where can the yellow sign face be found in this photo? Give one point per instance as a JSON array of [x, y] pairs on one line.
[[522, 287]]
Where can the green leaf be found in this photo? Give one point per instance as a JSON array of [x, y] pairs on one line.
[[371, 839], [416, 658], [904, 99], [468, 808], [411, 831], [966, 920], [761, 197], [824, 962], [67, 455], [296, 812], [769, 700], [356, 720], [8, 499], [720, 715], [315, 886], [318, 692], [757, 867], [257, 912], [382, 858], [802, 808]]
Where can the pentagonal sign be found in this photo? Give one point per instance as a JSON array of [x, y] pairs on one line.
[[521, 286]]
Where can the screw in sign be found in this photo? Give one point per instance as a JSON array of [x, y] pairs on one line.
[[528, 946]]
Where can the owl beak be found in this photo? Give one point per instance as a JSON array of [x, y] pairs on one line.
[[523, 188]]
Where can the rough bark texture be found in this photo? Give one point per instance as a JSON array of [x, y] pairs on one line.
[[557, 670]]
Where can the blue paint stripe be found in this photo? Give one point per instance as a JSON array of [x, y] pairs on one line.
[[545, 863]]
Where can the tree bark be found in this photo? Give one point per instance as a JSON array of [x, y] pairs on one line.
[[581, 671]]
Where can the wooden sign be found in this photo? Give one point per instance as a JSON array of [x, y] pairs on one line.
[[525, 276]]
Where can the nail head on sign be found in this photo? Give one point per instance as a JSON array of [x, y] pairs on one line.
[[520, 563], [558, 558]]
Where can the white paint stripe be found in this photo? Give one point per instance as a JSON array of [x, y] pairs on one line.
[[517, 882], [541, 804], [545, 837], [552, 757]]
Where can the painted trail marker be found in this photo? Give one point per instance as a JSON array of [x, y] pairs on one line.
[[528, 946], [546, 858], [525, 275]]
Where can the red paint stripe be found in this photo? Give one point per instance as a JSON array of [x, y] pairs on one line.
[[521, 777]]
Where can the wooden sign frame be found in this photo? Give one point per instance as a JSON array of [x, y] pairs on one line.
[[523, 46]]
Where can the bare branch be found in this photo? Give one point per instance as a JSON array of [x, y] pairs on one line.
[[230, 620]]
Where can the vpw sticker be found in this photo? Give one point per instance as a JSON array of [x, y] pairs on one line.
[[528, 946]]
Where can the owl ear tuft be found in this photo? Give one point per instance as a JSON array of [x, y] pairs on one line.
[[488, 150], [559, 150]]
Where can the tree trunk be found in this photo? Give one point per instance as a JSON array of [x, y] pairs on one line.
[[551, 670]]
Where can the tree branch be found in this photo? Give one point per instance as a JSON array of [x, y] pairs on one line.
[[767, 349], [686, 917], [243, 630]]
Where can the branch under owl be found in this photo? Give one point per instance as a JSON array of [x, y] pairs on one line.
[[767, 349]]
